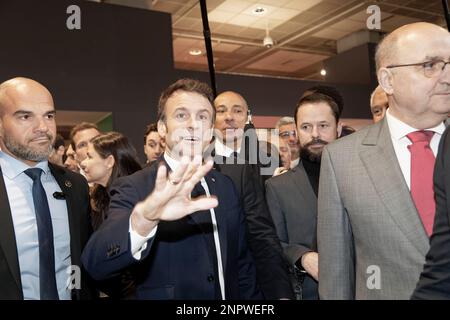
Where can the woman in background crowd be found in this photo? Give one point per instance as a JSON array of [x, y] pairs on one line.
[[109, 157]]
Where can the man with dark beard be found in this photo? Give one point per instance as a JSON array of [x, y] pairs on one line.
[[292, 197], [44, 208]]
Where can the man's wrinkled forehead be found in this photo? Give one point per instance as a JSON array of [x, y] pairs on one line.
[[424, 46], [181, 99]]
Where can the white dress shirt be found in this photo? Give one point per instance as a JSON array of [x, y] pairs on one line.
[[294, 163], [20, 196], [223, 150], [400, 141], [139, 243]]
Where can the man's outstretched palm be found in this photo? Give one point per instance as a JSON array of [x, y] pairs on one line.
[[171, 198]]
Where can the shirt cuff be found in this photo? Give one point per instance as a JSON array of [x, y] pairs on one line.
[[298, 263], [138, 242]]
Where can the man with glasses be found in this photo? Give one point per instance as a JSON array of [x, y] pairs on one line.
[[288, 133], [285, 157], [376, 201]]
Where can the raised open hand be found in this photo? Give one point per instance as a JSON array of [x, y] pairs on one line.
[[171, 198]]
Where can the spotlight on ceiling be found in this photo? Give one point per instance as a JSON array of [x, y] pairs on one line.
[[323, 72], [195, 52]]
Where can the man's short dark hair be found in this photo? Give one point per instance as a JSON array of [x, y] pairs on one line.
[[59, 141], [81, 127], [317, 98], [152, 127], [332, 92], [187, 85]]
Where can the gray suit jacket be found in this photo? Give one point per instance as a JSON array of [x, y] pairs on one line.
[[371, 241], [293, 206]]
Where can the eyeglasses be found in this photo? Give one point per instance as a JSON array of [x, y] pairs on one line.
[[431, 68], [287, 134]]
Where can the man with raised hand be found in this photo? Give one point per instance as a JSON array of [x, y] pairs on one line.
[[176, 225]]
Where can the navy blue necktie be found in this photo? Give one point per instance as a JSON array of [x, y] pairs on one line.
[[47, 279]]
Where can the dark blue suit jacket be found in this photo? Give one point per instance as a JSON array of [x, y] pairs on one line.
[[178, 262]]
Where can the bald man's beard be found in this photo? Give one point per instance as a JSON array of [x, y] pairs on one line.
[[26, 152]]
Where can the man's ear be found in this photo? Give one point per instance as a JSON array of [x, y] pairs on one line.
[[248, 118], [162, 129], [339, 129], [211, 132], [386, 80]]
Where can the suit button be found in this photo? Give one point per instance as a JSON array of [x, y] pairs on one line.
[[210, 278]]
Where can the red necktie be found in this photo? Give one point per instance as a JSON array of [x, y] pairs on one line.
[[422, 166]]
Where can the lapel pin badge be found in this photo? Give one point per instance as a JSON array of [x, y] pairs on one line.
[[68, 184], [213, 179]]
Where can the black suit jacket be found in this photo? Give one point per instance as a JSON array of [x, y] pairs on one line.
[[263, 154], [434, 282], [76, 191], [271, 267], [293, 206], [178, 262]]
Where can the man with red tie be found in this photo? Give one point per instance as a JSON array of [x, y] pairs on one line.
[[376, 200]]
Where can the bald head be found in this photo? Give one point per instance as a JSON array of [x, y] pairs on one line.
[[27, 120], [412, 70], [231, 115], [231, 95], [13, 90], [390, 49]]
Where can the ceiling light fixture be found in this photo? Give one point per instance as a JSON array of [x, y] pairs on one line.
[[195, 52], [267, 41], [323, 72], [259, 11]]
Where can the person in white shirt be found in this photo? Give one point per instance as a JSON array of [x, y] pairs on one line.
[[44, 208], [179, 229], [285, 156], [376, 202], [287, 132], [235, 135]]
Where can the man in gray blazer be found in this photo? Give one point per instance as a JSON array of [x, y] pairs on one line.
[[292, 196], [374, 218]]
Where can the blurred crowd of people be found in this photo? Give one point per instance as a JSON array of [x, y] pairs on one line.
[[326, 212]]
